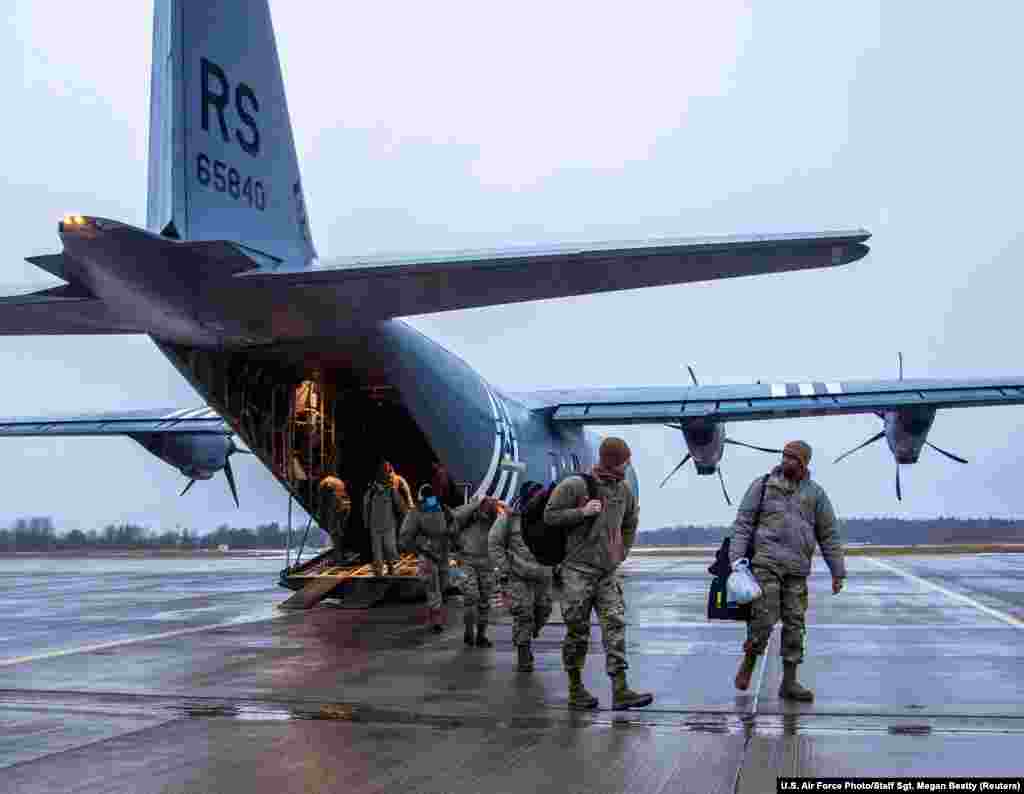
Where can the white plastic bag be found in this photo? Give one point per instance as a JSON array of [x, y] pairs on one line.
[[741, 587]]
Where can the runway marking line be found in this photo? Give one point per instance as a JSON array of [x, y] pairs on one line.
[[760, 676], [995, 613], [131, 641]]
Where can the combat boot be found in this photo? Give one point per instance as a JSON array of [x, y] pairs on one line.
[[481, 636], [790, 689], [468, 637], [746, 671], [525, 659], [579, 698], [625, 698]]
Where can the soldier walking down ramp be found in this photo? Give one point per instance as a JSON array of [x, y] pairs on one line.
[[383, 510], [595, 549], [402, 486], [529, 581], [444, 490], [425, 530], [796, 515], [472, 526], [336, 508]]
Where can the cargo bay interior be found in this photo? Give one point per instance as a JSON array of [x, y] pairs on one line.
[[304, 418]]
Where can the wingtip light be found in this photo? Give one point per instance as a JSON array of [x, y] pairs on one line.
[[73, 220]]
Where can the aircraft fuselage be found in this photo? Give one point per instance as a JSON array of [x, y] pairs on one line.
[[389, 393]]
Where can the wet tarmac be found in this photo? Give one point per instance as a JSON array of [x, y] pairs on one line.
[[181, 676]]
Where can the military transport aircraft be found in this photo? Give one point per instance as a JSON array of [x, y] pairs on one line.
[[306, 361]]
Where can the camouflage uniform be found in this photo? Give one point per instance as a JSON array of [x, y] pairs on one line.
[[336, 509], [784, 597], [478, 591], [383, 510], [402, 486], [472, 527], [425, 531], [529, 582], [589, 573], [795, 517], [427, 570], [603, 594], [444, 489]]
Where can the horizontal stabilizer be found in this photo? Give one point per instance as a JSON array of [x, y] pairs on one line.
[[64, 292], [60, 310], [372, 287], [51, 263]]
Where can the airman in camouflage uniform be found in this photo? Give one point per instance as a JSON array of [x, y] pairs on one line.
[[447, 495], [603, 531], [796, 515], [472, 525], [383, 511], [336, 507], [529, 582], [426, 530], [402, 486]]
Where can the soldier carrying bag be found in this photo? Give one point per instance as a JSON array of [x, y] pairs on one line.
[[718, 606]]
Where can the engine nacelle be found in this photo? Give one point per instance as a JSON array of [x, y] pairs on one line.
[[196, 455], [906, 431], [705, 441]]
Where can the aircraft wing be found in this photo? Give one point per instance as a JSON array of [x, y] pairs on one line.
[[198, 420], [671, 404], [231, 286], [383, 288]]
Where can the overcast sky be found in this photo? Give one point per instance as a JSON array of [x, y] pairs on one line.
[[443, 126]]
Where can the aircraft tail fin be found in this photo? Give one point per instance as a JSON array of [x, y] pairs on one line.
[[222, 161]]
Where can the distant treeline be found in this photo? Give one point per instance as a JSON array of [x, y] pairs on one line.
[[894, 531], [40, 534]]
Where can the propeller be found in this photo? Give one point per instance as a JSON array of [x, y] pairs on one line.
[[721, 478], [232, 449], [228, 471], [880, 435], [677, 468], [949, 455], [877, 436], [231, 481], [725, 493], [751, 446]]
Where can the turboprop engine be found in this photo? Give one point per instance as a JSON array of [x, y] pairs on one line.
[[705, 443], [196, 455], [905, 430]]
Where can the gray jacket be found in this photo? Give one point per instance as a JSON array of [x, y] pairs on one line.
[[510, 553], [795, 518], [586, 546], [471, 528], [426, 533], [383, 508]]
